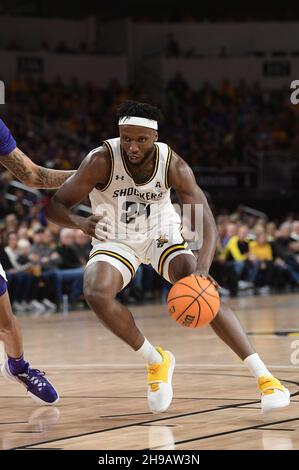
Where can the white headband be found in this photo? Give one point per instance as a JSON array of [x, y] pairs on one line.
[[138, 121]]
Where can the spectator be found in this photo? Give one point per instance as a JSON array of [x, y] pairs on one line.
[[237, 253], [172, 46], [11, 223], [285, 257], [271, 231], [48, 259], [82, 246], [19, 280], [262, 256], [70, 270], [55, 231], [231, 231], [295, 231]]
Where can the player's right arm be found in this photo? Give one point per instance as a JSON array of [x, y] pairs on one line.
[[93, 171]]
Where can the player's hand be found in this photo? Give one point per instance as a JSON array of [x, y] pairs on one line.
[[97, 226], [7, 142]]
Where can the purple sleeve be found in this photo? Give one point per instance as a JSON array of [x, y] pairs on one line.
[[7, 142]]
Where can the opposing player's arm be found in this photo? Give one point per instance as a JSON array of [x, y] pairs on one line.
[[93, 171], [182, 180], [31, 174]]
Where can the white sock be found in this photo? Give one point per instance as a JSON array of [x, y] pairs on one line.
[[149, 353], [256, 366]]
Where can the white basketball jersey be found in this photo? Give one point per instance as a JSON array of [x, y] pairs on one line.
[[137, 210]]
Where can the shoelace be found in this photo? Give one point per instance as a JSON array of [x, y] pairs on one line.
[[35, 376], [152, 369], [271, 388]]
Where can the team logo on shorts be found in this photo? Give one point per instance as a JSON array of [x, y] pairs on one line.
[[161, 241]]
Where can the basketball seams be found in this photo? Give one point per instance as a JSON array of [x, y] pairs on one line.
[[207, 293], [197, 281], [209, 307], [180, 296], [212, 295], [194, 300], [206, 299], [199, 313], [205, 289], [186, 285], [192, 288], [211, 282]]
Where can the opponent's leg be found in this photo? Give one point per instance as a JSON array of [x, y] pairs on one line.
[[228, 328], [10, 332], [15, 367], [102, 282]]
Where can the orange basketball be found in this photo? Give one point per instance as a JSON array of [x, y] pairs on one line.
[[193, 301]]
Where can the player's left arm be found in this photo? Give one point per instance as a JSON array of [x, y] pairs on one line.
[[23, 168], [181, 179]]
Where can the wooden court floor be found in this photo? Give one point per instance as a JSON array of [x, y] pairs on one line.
[[103, 392]]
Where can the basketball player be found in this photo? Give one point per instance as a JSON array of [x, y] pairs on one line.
[[15, 366], [129, 178]]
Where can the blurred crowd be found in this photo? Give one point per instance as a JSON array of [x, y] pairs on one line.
[[58, 122], [221, 126], [254, 256], [44, 265]]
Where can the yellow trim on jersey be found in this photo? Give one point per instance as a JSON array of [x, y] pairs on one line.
[[169, 155], [116, 256], [155, 168], [167, 252], [112, 164]]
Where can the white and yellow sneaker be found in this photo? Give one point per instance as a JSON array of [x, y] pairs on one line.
[[159, 377], [274, 395]]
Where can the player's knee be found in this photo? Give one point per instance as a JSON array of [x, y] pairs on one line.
[[6, 326], [98, 297], [181, 266]]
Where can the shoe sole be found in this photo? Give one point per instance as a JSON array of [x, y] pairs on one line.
[[6, 374], [171, 370], [269, 408]]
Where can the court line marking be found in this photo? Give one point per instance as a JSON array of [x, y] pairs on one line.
[[124, 426], [276, 429], [209, 436], [66, 438], [218, 408], [137, 365]]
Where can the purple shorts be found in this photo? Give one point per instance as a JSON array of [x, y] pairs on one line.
[[3, 285]]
